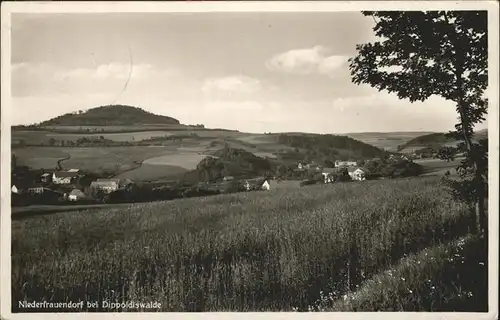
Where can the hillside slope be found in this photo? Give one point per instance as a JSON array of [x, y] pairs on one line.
[[329, 146], [229, 162], [435, 140], [110, 115]]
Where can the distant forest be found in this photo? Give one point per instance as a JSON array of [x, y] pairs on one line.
[[321, 147]]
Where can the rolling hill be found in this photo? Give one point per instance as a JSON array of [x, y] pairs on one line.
[[110, 115], [435, 140]]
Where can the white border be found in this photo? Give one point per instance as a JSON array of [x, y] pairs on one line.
[[270, 6]]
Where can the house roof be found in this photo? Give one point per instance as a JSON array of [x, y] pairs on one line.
[[103, 183], [46, 174], [256, 181], [352, 169], [111, 179], [328, 170], [65, 174], [76, 192]]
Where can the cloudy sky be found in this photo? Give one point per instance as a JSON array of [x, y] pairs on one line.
[[254, 72]]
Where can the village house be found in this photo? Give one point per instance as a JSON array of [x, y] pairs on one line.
[[37, 190], [257, 184], [106, 185], [65, 177], [76, 195], [265, 185], [339, 163], [228, 178], [327, 175], [357, 174], [45, 177]]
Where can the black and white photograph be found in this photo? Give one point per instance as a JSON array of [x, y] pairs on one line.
[[215, 157]]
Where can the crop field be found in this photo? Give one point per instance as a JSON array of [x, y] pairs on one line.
[[437, 166], [187, 161], [91, 159], [37, 137], [151, 172], [280, 250]]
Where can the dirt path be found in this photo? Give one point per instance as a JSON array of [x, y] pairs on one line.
[[59, 166], [137, 165]]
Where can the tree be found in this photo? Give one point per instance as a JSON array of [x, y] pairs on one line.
[[52, 141], [443, 53], [446, 153]]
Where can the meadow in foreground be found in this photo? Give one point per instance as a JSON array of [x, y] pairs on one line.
[[281, 250]]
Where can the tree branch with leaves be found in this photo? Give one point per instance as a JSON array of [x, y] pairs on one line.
[[442, 53]]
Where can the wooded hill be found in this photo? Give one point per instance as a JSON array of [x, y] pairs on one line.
[[110, 115], [436, 140], [319, 147]]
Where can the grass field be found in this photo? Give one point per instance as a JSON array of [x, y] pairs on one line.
[[92, 159], [261, 251], [37, 137], [150, 172], [438, 167]]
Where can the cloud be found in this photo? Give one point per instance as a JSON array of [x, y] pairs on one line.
[[315, 60], [231, 84], [46, 79]]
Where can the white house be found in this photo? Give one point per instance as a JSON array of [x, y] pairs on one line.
[[265, 185], [76, 195], [37, 190], [345, 163], [357, 174], [14, 189], [327, 175], [64, 177], [105, 185]]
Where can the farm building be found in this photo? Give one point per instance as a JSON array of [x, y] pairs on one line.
[[265, 185], [357, 173], [37, 190], [327, 174], [257, 184], [106, 185], [339, 163], [76, 195], [64, 177]]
